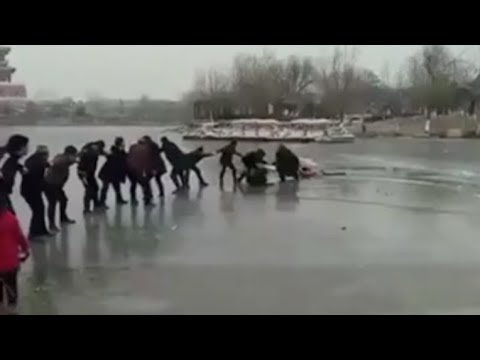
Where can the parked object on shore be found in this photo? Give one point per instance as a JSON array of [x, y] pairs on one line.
[[338, 134], [300, 130]]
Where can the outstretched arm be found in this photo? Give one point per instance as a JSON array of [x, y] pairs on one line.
[[206, 155]]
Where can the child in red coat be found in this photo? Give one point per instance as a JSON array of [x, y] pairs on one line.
[[14, 249]]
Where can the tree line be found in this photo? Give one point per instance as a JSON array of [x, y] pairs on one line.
[[433, 79]]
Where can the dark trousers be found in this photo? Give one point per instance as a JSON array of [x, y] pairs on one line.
[[224, 169], [197, 172], [36, 204], [245, 174], [116, 187], [158, 180], [91, 192], [283, 174], [9, 288], [144, 182], [178, 176], [56, 195]]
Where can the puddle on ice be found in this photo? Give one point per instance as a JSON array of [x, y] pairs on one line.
[[134, 305]]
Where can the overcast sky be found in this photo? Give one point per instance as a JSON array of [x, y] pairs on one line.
[[160, 71]]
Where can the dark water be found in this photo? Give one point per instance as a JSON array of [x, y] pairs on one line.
[[397, 234]]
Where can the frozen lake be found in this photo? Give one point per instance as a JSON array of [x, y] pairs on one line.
[[398, 234]]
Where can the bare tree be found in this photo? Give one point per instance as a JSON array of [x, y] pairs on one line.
[[298, 75], [385, 74], [336, 78], [211, 83], [434, 75]]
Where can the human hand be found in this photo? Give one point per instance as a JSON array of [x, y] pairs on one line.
[[24, 256]]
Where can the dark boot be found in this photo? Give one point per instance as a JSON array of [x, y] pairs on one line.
[[67, 221], [54, 228], [86, 204]]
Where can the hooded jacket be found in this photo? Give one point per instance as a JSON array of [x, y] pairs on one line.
[[12, 242]]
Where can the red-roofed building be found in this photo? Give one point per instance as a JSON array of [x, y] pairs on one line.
[[13, 97]]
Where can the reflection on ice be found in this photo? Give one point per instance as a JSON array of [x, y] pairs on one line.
[[234, 252]]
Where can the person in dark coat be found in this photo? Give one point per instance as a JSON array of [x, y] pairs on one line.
[[56, 176], [191, 160], [86, 170], [287, 163], [32, 189], [114, 172], [226, 161], [176, 158], [16, 148], [157, 166], [251, 160], [138, 168]]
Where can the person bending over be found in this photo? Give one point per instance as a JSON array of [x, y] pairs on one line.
[[191, 160], [86, 170], [114, 172], [251, 160], [176, 158], [32, 189], [16, 148], [56, 176]]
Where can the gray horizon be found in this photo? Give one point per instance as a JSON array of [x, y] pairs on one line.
[[163, 71]]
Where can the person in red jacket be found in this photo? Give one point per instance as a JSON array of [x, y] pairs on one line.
[[14, 249]]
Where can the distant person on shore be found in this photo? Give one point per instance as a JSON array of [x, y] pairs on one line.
[[86, 170], [191, 160], [157, 166], [56, 176], [287, 163], [32, 189], [114, 172], [14, 249], [176, 158], [138, 167], [16, 148], [226, 161]]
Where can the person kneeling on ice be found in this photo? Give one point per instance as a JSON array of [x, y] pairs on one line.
[[287, 163], [255, 172]]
